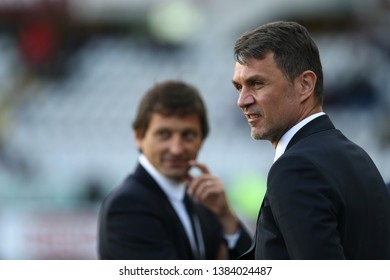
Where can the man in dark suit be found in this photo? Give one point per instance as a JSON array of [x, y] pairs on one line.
[[325, 198], [160, 211]]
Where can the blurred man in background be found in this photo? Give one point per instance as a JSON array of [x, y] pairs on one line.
[[325, 198], [160, 211]]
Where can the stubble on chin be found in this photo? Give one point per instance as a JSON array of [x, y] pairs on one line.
[[256, 134]]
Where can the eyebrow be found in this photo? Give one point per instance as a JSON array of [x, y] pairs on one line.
[[250, 79], [253, 78]]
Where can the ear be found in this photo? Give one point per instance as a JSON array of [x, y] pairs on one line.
[[306, 83], [137, 138]]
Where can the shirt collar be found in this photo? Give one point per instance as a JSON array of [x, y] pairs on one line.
[[174, 190], [283, 142]]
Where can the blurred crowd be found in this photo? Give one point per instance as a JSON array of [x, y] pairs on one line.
[[72, 73]]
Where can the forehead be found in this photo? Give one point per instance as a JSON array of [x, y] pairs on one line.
[[159, 121], [265, 68]]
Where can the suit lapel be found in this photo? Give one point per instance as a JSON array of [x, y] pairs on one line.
[[317, 125], [147, 181]]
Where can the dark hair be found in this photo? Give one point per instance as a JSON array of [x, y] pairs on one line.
[[171, 98], [293, 48]]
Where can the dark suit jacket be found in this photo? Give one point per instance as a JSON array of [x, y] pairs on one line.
[[325, 199], [137, 221]]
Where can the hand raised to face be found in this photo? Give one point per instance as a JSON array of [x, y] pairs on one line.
[[209, 190]]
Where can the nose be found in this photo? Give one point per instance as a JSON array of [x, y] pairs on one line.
[[245, 99], [176, 146]]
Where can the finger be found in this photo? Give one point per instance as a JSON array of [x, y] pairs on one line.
[[197, 182], [205, 190], [202, 167], [189, 177]]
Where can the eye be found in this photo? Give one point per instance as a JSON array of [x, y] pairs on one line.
[[257, 84], [189, 135], [163, 134], [238, 87]]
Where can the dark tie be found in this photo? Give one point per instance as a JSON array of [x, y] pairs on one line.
[[196, 228]]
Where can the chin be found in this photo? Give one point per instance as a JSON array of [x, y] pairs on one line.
[[255, 135], [176, 176]]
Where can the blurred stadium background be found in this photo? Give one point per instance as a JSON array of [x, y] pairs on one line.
[[72, 72]]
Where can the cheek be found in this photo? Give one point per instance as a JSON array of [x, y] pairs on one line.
[[150, 147], [194, 148], [285, 112], [274, 111]]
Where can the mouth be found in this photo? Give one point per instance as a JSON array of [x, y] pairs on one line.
[[253, 117], [177, 163]]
